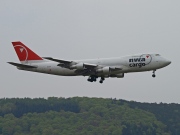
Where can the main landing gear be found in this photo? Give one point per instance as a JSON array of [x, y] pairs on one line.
[[93, 78], [101, 80], [154, 75]]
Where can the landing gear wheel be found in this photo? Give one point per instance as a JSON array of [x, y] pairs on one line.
[[102, 79], [154, 73], [92, 78]]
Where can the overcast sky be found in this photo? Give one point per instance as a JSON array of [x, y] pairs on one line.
[[83, 29]]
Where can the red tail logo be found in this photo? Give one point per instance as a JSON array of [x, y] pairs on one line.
[[147, 56], [24, 53]]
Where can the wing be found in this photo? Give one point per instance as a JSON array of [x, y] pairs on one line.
[[90, 66], [72, 64], [62, 63], [85, 68], [58, 60]]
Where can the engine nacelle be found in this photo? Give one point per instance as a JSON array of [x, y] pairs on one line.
[[79, 66], [121, 75], [104, 70]]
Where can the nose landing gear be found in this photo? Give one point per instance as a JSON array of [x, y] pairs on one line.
[[154, 75]]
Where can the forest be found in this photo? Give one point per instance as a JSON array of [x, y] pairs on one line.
[[87, 116]]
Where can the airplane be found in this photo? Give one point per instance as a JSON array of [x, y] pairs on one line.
[[93, 68]]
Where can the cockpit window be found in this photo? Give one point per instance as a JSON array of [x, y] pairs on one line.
[[157, 54]]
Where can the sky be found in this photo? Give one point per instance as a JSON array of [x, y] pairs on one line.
[[85, 29]]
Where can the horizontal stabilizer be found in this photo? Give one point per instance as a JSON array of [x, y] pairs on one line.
[[21, 65]]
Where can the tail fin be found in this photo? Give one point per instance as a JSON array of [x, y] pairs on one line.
[[25, 54]]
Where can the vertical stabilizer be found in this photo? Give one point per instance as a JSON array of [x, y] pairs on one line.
[[25, 54]]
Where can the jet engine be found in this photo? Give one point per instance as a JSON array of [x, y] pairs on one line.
[[121, 75], [79, 66], [104, 70]]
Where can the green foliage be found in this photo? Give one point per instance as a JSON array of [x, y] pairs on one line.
[[169, 114], [86, 116], [18, 107]]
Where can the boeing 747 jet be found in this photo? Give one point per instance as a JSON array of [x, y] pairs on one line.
[[93, 68]]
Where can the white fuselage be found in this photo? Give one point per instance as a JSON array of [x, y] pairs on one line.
[[136, 63]]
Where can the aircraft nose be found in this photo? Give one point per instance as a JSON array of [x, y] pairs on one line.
[[167, 62]]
